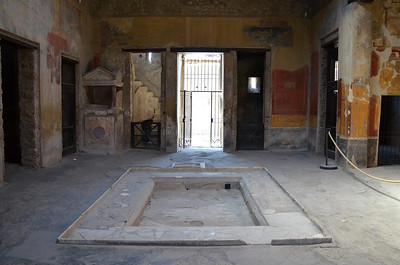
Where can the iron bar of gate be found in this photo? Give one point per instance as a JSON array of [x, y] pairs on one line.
[[184, 120], [146, 134], [211, 125]]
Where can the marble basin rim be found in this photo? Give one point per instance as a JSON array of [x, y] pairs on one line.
[[115, 216]]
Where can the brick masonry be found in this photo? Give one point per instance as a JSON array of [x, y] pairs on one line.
[[29, 107]]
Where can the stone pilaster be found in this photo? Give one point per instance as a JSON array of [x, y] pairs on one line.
[[353, 88], [230, 99], [169, 111]]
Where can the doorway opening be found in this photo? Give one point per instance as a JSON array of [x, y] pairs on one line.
[[20, 97], [332, 77], [389, 131], [68, 106], [250, 103], [200, 100], [11, 102]]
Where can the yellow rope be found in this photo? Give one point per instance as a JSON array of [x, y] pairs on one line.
[[365, 173]]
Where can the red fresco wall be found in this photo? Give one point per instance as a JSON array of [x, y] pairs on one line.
[[56, 45], [314, 83], [289, 91]]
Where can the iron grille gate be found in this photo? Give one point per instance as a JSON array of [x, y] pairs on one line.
[[201, 75], [389, 131], [186, 121]]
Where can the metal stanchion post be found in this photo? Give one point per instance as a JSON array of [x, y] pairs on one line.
[[327, 166]]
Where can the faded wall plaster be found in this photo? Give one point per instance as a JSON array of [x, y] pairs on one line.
[[195, 32], [353, 23], [59, 27], [354, 74], [149, 71], [385, 66], [146, 91]]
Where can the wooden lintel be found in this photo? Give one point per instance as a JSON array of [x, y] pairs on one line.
[[143, 50], [195, 49], [360, 1]]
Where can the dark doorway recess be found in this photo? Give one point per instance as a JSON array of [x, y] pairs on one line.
[[389, 131], [68, 107], [250, 105], [11, 109], [331, 96]]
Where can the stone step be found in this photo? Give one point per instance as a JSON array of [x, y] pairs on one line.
[[142, 89], [137, 83]]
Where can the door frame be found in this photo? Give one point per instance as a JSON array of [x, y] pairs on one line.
[[182, 130], [327, 41], [267, 100], [28, 53], [331, 87]]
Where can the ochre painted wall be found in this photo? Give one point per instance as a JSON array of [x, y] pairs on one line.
[[190, 32], [290, 46]]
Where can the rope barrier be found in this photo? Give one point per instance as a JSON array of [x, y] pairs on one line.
[[351, 163]]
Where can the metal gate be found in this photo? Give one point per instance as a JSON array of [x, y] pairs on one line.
[[389, 131], [216, 119], [186, 120], [201, 79]]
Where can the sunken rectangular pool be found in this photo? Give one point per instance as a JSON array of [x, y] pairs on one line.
[[195, 207]]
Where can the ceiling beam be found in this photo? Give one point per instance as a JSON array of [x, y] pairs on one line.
[[360, 1]]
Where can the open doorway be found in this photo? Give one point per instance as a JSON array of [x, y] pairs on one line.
[[250, 103], [389, 131], [11, 102], [20, 102], [332, 76], [200, 104]]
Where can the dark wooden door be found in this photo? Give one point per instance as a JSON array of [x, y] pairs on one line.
[[68, 107], [11, 110], [250, 104], [331, 97]]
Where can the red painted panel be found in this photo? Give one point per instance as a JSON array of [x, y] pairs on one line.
[[56, 45], [96, 60], [289, 91], [374, 64], [372, 131], [314, 83], [59, 44], [395, 51]]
